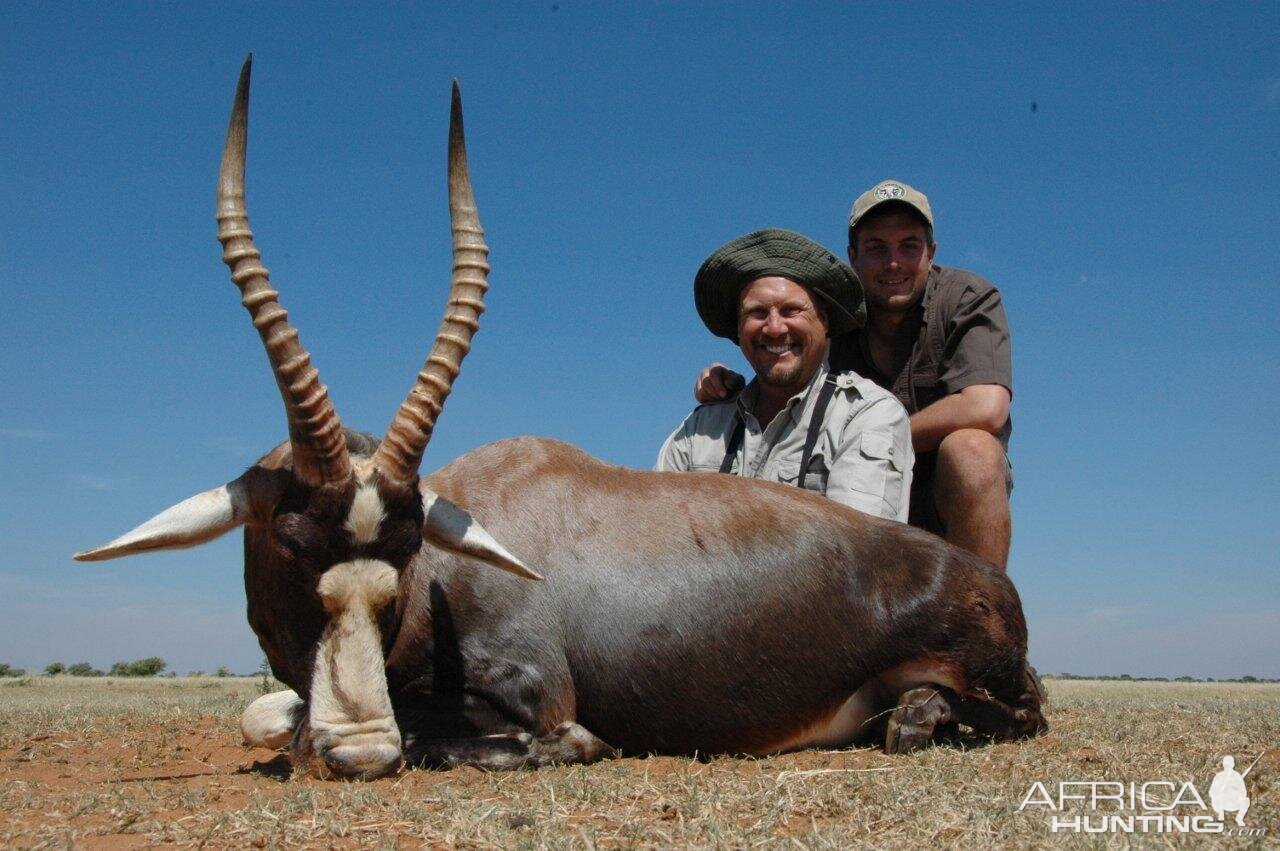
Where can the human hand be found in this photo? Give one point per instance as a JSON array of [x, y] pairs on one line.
[[716, 383]]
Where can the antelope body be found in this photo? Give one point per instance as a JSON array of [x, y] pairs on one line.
[[634, 612]]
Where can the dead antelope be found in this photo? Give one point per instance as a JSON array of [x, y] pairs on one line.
[[662, 612]]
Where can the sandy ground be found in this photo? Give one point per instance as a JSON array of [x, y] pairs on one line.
[[119, 764]]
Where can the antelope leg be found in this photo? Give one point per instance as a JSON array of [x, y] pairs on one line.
[[567, 743], [920, 711], [270, 721]]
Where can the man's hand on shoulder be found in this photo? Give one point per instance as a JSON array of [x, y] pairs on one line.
[[717, 383]]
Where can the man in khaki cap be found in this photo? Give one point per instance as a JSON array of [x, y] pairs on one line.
[[779, 295], [937, 338]]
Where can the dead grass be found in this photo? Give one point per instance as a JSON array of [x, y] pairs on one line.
[[120, 763]]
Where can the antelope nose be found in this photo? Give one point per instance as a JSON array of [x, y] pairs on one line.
[[363, 761]]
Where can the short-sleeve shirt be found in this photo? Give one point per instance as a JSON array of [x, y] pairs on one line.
[[961, 339], [862, 457]]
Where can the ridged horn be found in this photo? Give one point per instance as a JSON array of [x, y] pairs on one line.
[[319, 447], [400, 453]]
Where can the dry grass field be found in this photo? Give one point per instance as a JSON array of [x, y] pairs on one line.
[[125, 763]]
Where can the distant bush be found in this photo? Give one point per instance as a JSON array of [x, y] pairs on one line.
[[83, 669], [6, 671], [54, 668], [147, 667], [264, 672], [223, 672], [195, 673], [1129, 678]]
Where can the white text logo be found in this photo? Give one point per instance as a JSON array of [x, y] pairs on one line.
[[1156, 806]]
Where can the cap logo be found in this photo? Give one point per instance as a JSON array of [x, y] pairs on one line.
[[888, 191]]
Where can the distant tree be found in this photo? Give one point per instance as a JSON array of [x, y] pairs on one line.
[[223, 672], [195, 673], [150, 666], [1185, 679], [6, 671], [83, 669], [264, 671], [55, 668], [147, 667], [1248, 678]]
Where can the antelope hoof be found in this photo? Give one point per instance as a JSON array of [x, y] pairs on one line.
[[912, 725]]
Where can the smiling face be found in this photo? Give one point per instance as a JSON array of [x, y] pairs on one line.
[[782, 331], [892, 256]]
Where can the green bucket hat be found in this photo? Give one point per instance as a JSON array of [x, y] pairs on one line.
[[718, 285]]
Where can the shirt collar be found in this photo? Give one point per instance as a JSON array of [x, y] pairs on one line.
[[797, 407], [930, 287]]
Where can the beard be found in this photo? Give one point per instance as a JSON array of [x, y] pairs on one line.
[[780, 375]]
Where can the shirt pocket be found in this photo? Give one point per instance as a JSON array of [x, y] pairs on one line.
[[870, 469], [879, 446], [815, 480], [926, 387]]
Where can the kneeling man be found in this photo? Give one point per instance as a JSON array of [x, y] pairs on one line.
[[779, 296]]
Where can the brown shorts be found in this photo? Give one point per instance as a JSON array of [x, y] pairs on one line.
[[924, 508]]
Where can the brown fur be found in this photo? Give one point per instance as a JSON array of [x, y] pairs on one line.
[[680, 612]]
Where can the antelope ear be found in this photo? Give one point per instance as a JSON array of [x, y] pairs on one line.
[[193, 521], [450, 527]]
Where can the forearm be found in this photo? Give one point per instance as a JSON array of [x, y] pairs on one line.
[[980, 406]]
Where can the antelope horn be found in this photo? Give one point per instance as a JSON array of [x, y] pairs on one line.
[[400, 452], [319, 447]]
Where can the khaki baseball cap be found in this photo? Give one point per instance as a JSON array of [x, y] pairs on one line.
[[890, 190]]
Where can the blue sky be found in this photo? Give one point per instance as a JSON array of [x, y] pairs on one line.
[[1113, 168]]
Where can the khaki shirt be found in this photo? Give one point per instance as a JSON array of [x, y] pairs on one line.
[[863, 456]]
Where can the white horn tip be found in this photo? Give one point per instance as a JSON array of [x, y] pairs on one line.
[[453, 527]]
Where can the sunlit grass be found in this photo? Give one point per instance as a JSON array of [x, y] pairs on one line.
[[143, 762]]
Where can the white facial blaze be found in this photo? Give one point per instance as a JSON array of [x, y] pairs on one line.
[[351, 715], [366, 515]]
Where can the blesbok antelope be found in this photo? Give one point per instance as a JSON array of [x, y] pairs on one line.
[[662, 612]]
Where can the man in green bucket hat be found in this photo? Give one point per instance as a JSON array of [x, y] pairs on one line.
[[779, 295]]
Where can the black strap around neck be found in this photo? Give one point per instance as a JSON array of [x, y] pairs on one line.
[[815, 425], [810, 441], [735, 441]]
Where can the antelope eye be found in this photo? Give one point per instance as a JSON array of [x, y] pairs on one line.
[[295, 532], [401, 543]]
